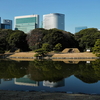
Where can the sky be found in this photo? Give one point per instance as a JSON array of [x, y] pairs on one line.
[[77, 12]]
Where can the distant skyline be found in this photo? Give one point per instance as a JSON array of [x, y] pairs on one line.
[[77, 29], [77, 12]]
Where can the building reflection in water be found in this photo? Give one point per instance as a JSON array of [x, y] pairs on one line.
[[54, 84], [8, 79], [25, 81], [88, 62]]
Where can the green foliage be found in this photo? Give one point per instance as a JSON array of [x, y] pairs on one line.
[[34, 38], [40, 52], [55, 36], [36, 55], [1, 50], [58, 47], [87, 38], [37, 37], [46, 47], [57, 70], [50, 70], [13, 39], [4, 34], [96, 67], [18, 40], [13, 69], [96, 48], [86, 73]]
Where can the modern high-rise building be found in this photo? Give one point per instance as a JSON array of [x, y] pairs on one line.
[[77, 29], [7, 24], [25, 81], [26, 23], [54, 20], [54, 84]]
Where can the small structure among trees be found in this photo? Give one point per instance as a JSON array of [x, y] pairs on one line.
[[70, 50]]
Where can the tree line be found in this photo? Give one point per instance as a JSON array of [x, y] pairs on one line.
[[50, 40]]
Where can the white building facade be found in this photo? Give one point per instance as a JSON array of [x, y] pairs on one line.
[[54, 20]]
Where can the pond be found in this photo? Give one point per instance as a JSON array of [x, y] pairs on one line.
[[50, 76]]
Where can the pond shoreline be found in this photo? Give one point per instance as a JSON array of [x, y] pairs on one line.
[[26, 95], [30, 55], [45, 95]]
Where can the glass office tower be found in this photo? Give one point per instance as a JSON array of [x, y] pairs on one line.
[[26, 23], [7, 24], [54, 20], [25, 81], [77, 29]]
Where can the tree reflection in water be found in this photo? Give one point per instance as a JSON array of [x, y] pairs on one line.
[[12, 69], [52, 71]]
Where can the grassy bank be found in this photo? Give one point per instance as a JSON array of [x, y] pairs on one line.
[[54, 56]]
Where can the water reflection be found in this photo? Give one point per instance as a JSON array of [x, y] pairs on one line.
[[50, 76], [54, 84], [12, 69], [25, 81], [50, 71]]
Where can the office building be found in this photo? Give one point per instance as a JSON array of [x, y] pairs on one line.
[[54, 84], [25, 81], [7, 24], [54, 20], [77, 29], [26, 23]]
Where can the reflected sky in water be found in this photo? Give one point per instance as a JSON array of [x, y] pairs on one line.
[[50, 76]]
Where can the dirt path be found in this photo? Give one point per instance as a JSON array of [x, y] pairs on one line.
[[19, 95]]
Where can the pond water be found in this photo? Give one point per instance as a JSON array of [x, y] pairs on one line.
[[50, 76]]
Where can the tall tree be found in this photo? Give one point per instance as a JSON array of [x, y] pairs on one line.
[[96, 48], [58, 47], [87, 38], [4, 34], [18, 40], [55, 36], [39, 36], [34, 38]]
